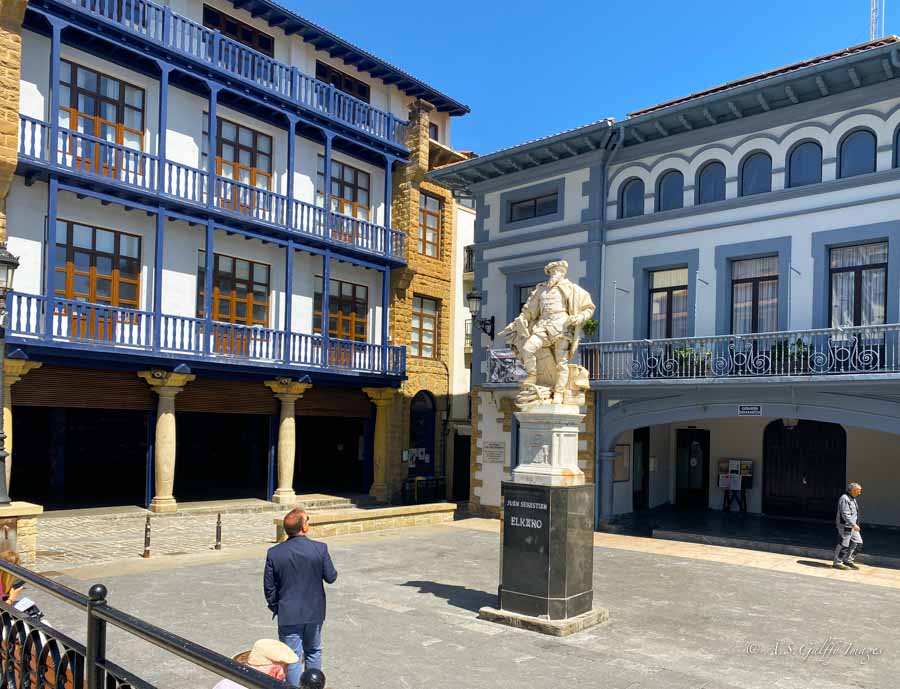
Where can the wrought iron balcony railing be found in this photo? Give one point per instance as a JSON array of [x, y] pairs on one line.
[[97, 326], [105, 161], [159, 24], [469, 259], [806, 353]]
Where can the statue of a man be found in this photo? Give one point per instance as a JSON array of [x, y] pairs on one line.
[[549, 324]]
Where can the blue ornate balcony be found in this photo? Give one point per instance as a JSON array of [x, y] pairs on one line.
[[803, 354], [209, 49], [112, 164], [100, 328]]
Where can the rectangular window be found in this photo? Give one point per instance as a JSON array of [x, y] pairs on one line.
[[342, 82], [349, 189], [668, 304], [524, 292], [433, 131], [102, 107], [422, 342], [858, 284], [533, 208], [429, 230], [348, 310], [97, 265], [754, 295], [242, 154], [240, 290], [238, 31]]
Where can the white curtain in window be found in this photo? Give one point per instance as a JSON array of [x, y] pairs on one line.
[[768, 306], [679, 313], [742, 308], [873, 297], [859, 255], [842, 298]]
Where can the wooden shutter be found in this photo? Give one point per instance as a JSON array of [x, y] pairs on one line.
[[85, 388]]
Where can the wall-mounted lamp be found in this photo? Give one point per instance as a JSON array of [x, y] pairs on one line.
[[486, 325]]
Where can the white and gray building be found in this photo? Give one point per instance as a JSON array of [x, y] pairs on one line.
[[743, 246]]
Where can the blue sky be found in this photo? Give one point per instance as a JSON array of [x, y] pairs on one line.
[[529, 68]]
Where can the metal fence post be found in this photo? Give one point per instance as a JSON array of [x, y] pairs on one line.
[[95, 646]]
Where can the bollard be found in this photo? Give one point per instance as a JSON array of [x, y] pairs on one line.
[[146, 552], [95, 644], [219, 532], [312, 679]]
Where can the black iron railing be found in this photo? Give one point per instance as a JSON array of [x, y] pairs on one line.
[[469, 259], [34, 655]]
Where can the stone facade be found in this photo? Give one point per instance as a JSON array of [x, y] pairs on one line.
[[11, 15], [424, 276]]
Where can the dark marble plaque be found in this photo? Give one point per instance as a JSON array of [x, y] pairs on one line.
[[548, 556]]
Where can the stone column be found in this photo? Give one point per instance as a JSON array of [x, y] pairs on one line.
[[383, 398], [287, 392], [13, 371], [11, 14], [166, 385]]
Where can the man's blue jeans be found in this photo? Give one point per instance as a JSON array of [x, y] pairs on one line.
[[306, 641]]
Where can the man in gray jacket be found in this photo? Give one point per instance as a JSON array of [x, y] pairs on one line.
[[847, 522]]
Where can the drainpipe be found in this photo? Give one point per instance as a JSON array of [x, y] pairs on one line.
[[598, 398]]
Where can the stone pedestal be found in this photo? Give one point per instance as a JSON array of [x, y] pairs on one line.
[[18, 529], [547, 561], [548, 446]]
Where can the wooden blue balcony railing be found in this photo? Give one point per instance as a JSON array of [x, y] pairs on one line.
[[105, 161], [160, 25], [108, 328], [867, 349]]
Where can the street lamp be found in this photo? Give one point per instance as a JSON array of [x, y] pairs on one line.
[[8, 265], [486, 325]]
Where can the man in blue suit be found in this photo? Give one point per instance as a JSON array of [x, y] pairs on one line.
[[295, 570]]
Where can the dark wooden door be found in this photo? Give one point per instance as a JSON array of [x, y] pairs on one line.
[[462, 450], [804, 468], [640, 463], [692, 468]]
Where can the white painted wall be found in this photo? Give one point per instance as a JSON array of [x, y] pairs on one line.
[[491, 426], [872, 461], [27, 212], [464, 235]]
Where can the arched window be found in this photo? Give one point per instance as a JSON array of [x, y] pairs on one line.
[[897, 148], [857, 154], [805, 165], [711, 183], [670, 191], [421, 432], [631, 201], [756, 174]]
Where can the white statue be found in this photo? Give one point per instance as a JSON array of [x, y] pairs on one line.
[[544, 336]]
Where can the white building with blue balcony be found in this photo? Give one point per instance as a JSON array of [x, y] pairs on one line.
[[743, 246], [203, 195]]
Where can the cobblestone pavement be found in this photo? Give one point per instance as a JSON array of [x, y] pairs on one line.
[[66, 542], [402, 615]]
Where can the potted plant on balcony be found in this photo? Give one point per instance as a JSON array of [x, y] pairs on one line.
[[690, 362], [591, 355]]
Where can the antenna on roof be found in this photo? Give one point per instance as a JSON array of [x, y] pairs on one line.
[[873, 19]]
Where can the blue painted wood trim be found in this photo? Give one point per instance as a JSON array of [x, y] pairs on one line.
[[151, 457], [213, 128], [388, 190], [291, 158], [327, 190], [288, 296], [163, 119], [50, 262], [326, 294], [272, 455], [158, 260], [208, 284], [56, 26], [385, 301]]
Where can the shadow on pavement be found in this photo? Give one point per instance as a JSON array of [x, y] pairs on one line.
[[815, 563], [457, 596]]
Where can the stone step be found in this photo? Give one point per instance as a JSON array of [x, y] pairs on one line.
[[364, 519]]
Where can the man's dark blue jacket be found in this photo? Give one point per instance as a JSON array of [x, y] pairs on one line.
[[293, 580]]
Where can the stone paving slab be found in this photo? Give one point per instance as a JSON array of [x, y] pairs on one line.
[[402, 615]]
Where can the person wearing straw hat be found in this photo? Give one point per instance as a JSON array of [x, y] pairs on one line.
[[267, 656]]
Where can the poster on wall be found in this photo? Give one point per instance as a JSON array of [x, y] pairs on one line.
[[725, 481]]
